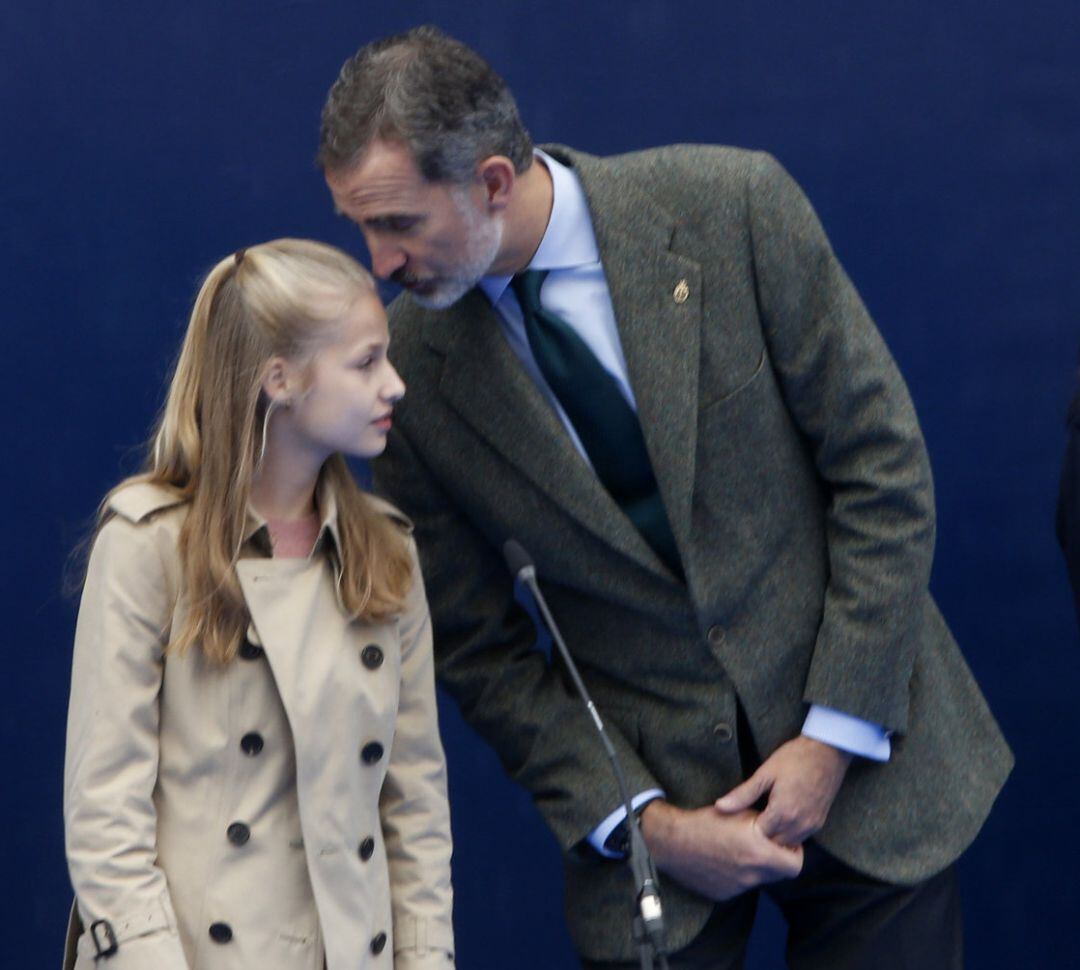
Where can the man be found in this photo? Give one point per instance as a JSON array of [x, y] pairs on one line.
[[652, 372]]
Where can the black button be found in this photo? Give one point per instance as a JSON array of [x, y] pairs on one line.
[[220, 932], [372, 656], [367, 848], [248, 651], [251, 743], [723, 732], [238, 833], [377, 943], [716, 635], [372, 752]]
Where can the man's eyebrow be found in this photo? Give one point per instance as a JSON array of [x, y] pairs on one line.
[[341, 212], [382, 218]]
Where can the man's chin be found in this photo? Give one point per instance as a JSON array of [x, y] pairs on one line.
[[439, 294]]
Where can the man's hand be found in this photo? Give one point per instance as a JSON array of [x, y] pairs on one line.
[[716, 855], [801, 779]]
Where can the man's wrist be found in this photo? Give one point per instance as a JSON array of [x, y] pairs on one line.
[[618, 841], [611, 837], [656, 823]]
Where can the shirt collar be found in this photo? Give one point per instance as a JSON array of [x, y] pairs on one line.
[[568, 240]]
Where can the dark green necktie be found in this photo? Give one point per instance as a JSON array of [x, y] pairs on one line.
[[603, 419]]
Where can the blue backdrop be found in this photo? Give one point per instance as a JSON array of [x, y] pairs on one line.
[[940, 144]]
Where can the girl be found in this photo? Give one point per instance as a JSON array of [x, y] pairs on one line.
[[254, 777]]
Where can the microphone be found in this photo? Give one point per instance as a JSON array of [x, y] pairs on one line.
[[519, 561], [649, 922]]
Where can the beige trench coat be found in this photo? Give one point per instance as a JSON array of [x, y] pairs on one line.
[[283, 810]]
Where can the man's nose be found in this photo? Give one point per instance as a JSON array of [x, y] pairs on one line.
[[395, 387], [386, 258]]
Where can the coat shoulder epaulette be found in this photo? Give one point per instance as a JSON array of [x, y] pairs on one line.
[[141, 500]]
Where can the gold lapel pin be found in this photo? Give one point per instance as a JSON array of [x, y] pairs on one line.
[[681, 292]]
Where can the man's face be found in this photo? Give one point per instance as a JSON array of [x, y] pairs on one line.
[[434, 239]]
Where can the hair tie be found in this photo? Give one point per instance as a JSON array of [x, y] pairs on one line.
[[238, 256]]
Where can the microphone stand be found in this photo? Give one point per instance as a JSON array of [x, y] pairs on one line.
[[648, 924]]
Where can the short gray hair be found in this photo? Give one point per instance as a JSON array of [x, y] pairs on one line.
[[438, 97]]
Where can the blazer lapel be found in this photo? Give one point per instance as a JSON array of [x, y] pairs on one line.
[[485, 384], [656, 295]]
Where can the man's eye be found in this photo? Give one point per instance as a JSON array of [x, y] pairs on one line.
[[398, 223]]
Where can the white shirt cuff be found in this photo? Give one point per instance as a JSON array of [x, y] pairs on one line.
[[599, 835], [848, 733]]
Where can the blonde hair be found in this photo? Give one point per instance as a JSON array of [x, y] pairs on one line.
[[281, 298]]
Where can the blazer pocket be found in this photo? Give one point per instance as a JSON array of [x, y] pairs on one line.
[[745, 385]]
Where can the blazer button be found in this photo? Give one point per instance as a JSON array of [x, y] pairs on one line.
[[371, 752], [372, 656], [238, 833], [716, 635], [251, 743], [249, 651], [377, 943], [367, 849], [220, 932], [723, 732]]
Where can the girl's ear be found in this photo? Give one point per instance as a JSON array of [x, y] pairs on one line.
[[276, 381]]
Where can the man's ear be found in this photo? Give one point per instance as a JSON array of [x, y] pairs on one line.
[[277, 381], [496, 174]]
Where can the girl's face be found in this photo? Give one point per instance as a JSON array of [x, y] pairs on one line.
[[349, 387]]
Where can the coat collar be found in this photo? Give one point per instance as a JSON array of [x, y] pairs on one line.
[[484, 383], [256, 529], [140, 500]]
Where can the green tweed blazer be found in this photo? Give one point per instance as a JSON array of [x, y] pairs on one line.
[[796, 481]]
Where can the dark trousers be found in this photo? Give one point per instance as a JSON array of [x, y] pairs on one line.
[[838, 919]]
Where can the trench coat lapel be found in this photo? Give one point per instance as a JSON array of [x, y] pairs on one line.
[[656, 295], [288, 599], [484, 383]]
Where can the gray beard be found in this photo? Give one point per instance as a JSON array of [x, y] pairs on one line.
[[447, 293], [483, 239]]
